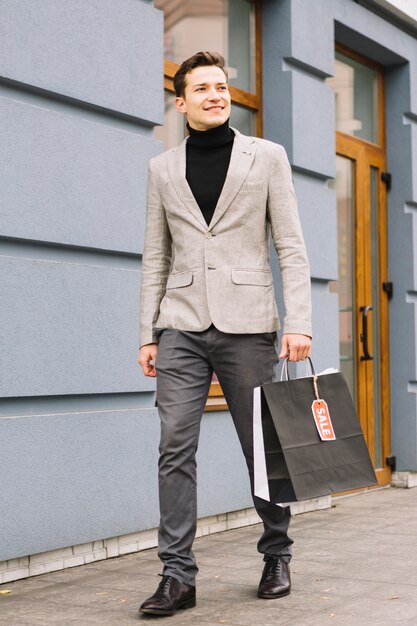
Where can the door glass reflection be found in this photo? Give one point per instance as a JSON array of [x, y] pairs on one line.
[[356, 91], [344, 185]]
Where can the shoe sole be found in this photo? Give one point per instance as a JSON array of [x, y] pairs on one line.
[[271, 596], [188, 604]]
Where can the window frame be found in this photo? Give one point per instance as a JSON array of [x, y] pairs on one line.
[[246, 99], [356, 56]]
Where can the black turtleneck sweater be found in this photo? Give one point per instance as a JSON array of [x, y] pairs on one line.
[[208, 157]]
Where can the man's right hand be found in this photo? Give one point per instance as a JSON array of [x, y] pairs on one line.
[[147, 357]]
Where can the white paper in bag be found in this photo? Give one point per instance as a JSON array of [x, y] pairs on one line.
[[259, 462]]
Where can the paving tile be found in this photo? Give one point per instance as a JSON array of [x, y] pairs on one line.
[[354, 565]]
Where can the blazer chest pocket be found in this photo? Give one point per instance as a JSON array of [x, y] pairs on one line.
[[263, 278], [182, 279], [253, 188]]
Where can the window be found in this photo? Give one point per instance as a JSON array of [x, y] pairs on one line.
[[231, 27], [357, 88]]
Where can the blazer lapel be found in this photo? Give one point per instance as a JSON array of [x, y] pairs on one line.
[[176, 170], [243, 153]]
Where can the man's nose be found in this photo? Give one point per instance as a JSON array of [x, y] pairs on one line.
[[213, 94]]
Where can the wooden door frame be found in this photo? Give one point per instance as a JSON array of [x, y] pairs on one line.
[[366, 155], [371, 154]]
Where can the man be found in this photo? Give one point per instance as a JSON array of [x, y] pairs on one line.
[[207, 304]]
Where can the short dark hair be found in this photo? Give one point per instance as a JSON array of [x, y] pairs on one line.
[[197, 60]]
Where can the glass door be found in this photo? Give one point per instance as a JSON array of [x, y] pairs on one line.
[[362, 285], [345, 285], [362, 294]]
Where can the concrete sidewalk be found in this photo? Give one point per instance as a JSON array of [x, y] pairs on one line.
[[354, 564]]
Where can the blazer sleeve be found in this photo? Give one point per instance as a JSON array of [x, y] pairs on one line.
[[289, 245], [156, 259]]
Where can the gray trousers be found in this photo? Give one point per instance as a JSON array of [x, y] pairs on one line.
[[185, 363]]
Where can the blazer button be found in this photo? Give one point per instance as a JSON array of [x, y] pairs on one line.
[[209, 235]]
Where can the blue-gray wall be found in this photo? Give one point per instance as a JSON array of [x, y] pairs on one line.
[[80, 91], [298, 52]]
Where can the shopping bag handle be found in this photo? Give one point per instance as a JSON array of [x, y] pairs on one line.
[[284, 369]]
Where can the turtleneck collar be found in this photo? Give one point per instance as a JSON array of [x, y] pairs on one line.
[[212, 138]]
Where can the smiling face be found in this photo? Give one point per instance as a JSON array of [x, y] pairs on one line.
[[206, 100]]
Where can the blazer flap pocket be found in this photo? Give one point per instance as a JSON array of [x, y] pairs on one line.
[[182, 279], [252, 277]]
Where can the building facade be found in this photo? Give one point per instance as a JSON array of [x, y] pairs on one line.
[[83, 108]]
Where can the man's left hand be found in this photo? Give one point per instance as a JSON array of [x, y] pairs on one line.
[[296, 347]]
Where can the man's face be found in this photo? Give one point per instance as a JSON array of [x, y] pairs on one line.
[[206, 100]]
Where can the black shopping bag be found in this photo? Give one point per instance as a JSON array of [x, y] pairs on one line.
[[302, 453]]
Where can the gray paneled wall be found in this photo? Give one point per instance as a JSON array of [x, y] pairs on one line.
[[81, 87], [80, 91], [69, 327], [72, 179], [402, 223], [76, 138], [75, 477], [106, 53]]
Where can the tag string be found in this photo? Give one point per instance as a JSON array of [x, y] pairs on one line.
[[316, 389]]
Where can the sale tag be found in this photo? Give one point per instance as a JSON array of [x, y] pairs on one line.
[[322, 420]]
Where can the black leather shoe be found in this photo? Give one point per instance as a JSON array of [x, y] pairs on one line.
[[170, 596], [275, 581]]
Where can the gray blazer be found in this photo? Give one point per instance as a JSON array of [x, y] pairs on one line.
[[194, 275]]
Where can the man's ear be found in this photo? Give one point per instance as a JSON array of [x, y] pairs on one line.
[[180, 104]]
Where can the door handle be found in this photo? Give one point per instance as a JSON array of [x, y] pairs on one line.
[[364, 336]]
